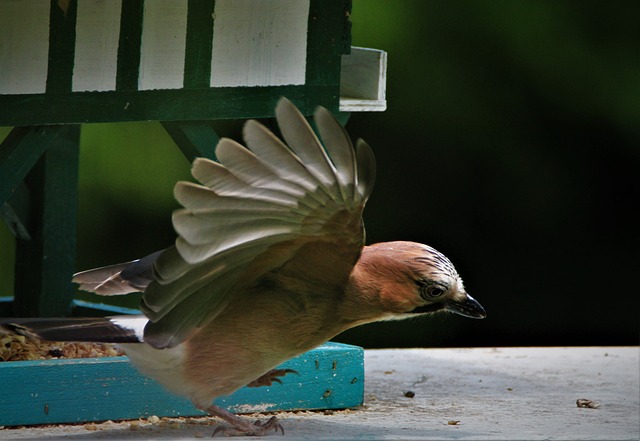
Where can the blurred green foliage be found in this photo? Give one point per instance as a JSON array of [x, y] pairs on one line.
[[510, 143]]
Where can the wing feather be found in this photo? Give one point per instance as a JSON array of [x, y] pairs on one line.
[[219, 179], [194, 197], [266, 208], [303, 141], [249, 168], [265, 145], [366, 169], [195, 254], [337, 142]]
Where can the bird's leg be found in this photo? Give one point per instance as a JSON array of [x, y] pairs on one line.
[[241, 426], [271, 376]]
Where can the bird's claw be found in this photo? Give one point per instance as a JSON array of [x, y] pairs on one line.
[[257, 429], [270, 377], [271, 423]]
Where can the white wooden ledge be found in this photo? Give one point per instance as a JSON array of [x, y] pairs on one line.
[[481, 393]]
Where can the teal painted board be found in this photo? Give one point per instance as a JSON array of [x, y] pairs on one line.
[[110, 388], [6, 306], [81, 308]]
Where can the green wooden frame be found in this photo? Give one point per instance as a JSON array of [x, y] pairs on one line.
[[328, 39], [39, 169], [39, 159]]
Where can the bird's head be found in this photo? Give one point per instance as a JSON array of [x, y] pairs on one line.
[[412, 279]]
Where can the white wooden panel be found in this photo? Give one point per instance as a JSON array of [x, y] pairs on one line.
[[24, 55], [363, 80], [97, 35], [259, 42], [164, 31]]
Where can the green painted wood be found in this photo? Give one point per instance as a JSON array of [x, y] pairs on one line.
[[161, 105], [346, 29], [129, 45], [194, 138], [97, 389], [197, 63], [46, 261], [343, 117], [15, 212], [325, 42], [19, 151], [62, 36]]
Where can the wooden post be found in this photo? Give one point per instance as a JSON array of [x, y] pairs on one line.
[[45, 260], [194, 138]]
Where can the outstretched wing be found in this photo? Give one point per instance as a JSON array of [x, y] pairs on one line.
[[268, 209]]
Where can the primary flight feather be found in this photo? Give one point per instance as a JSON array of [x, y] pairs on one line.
[[270, 261]]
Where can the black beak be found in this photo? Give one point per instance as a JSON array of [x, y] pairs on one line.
[[468, 307]]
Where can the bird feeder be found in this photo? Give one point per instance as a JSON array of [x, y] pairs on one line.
[[183, 63]]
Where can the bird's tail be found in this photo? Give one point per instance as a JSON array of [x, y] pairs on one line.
[[122, 278], [117, 329]]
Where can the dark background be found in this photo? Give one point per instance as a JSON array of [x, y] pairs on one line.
[[510, 144]]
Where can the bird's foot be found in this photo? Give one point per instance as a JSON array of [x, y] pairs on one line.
[[258, 428], [270, 377], [240, 426]]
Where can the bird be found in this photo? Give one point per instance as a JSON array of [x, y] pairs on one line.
[[269, 262]]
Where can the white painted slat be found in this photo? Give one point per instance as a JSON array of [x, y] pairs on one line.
[[259, 43], [164, 31], [97, 35], [24, 58], [363, 80]]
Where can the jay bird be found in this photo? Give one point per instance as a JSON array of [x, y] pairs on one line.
[[270, 262]]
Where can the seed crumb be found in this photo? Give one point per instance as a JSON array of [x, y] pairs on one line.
[[583, 402]]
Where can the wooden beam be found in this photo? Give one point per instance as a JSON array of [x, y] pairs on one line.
[[161, 105], [197, 63], [20, 150], [46, 261], [194, 138], [15, 212]]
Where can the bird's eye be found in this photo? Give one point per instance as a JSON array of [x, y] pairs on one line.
[[433, 291]]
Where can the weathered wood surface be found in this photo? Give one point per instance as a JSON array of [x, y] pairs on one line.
[[471, 394]]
